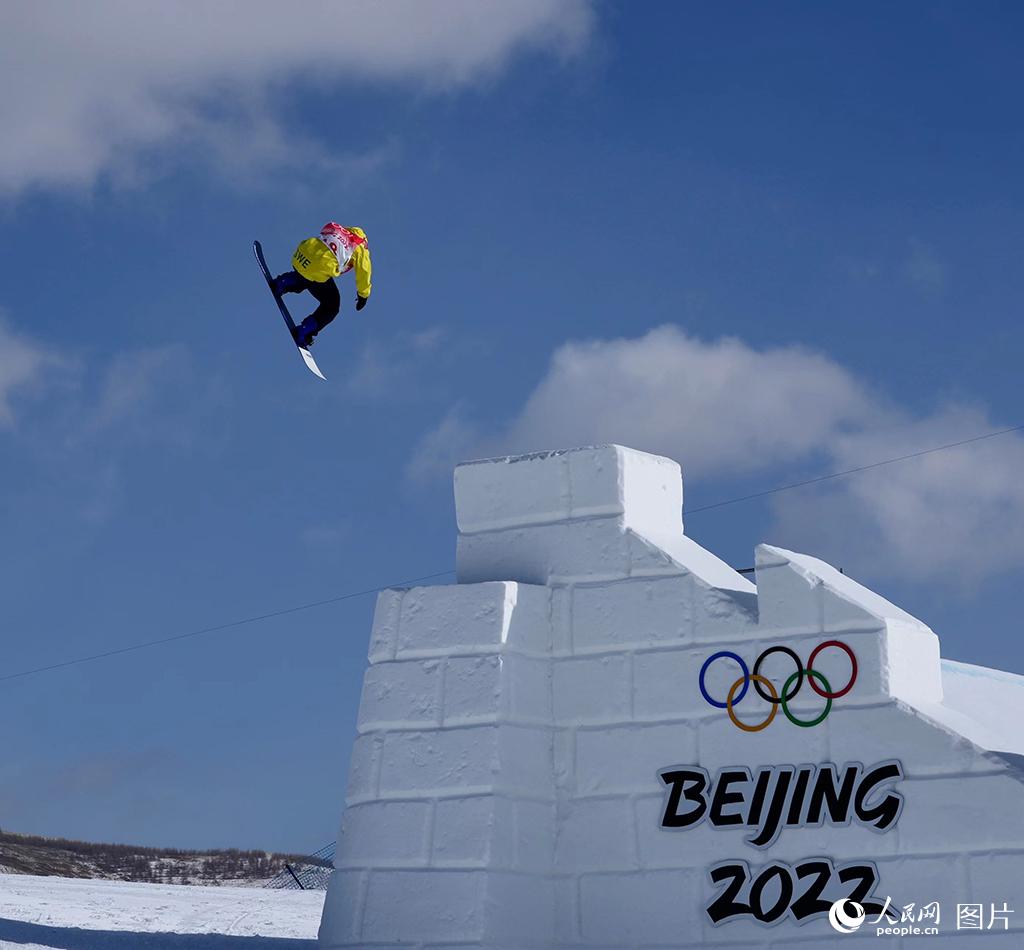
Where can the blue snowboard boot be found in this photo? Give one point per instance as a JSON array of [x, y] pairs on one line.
[[287, 283], [306, 332]]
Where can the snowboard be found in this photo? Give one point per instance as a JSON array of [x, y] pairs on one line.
[[307, 357]]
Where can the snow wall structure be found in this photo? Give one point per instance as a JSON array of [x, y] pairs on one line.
[[602, 736]]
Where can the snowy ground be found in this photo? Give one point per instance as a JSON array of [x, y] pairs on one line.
[[53, 913]]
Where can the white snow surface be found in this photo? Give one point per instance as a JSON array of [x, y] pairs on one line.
[[67, 910]]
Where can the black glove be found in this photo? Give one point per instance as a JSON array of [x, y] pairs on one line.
[[361, 302]]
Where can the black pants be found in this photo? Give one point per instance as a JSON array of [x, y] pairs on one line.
[[325, 293]]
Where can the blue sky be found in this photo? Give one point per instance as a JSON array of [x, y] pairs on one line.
[[770, 240]]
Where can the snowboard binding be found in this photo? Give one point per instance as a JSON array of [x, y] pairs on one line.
[[305, 333]]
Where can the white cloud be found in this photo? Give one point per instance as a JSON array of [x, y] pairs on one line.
[[923, 269], [131, 385], [385, 363], [324, 536], [65, 411], [93, 87], [720, 406], [147, 394], [956, 515], [21, 364], [452, 440], [724, 408]]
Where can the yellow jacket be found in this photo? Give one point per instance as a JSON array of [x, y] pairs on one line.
[[336, 251]]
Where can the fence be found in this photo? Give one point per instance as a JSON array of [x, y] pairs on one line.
[[307, 874]]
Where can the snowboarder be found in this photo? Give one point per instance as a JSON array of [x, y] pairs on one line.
[[317, 261]]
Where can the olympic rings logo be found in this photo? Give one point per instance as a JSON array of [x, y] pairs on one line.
[[766, 689]]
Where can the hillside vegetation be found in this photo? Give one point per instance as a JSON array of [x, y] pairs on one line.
[[28, 854]]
